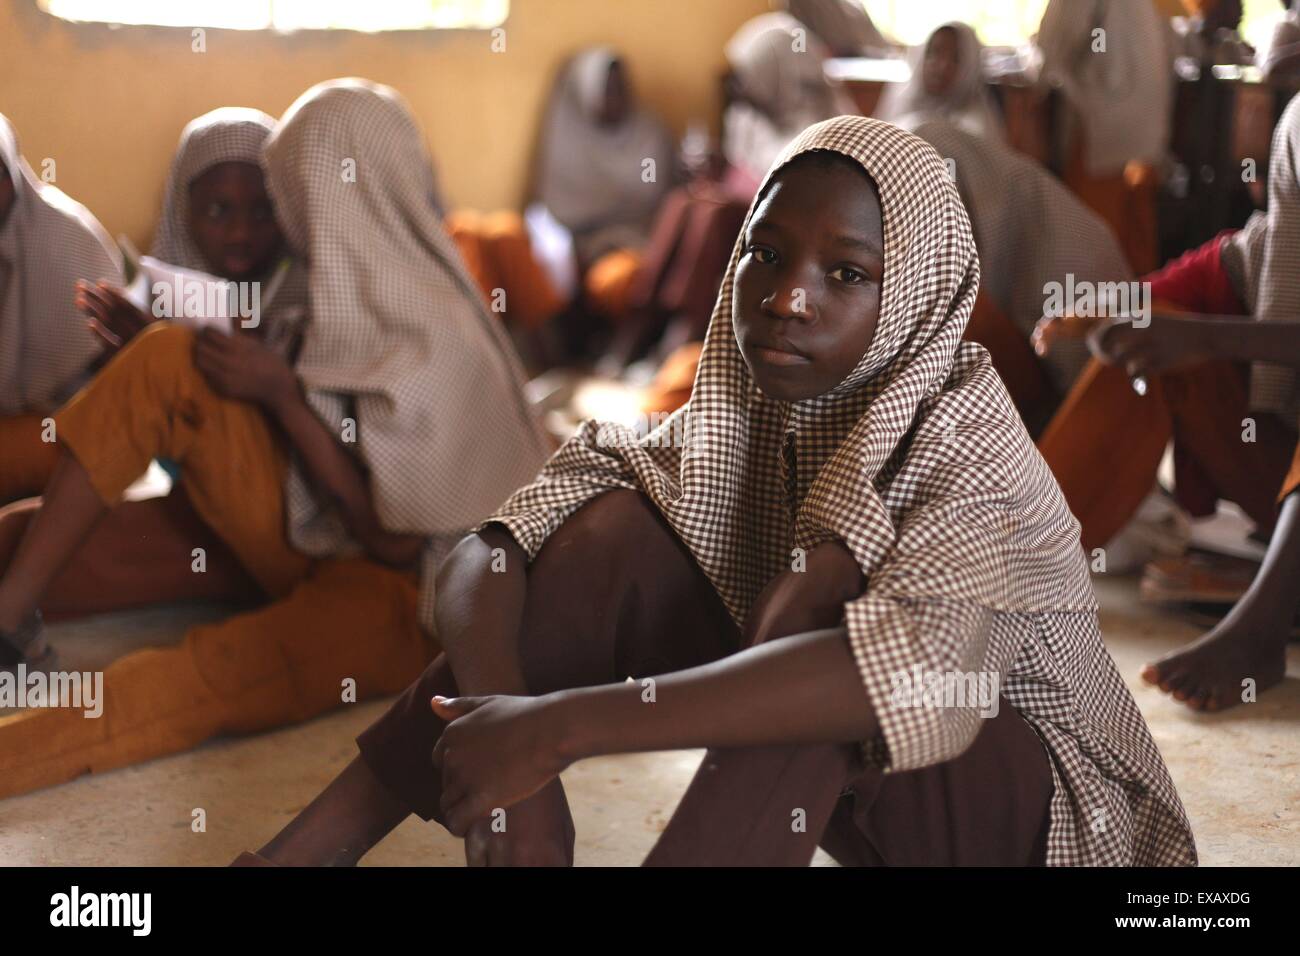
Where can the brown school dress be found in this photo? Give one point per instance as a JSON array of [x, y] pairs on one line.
[[918, 464]]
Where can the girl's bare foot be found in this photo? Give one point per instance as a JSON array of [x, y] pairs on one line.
[[1250, 643], [1212, 672]]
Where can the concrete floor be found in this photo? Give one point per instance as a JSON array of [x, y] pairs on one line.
[[1238, 772]]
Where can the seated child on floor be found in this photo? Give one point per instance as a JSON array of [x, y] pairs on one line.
[[48, 243], [216, 218], [1210, 373], [846, 522], [334, 470]]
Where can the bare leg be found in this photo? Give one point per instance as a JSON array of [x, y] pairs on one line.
[[334, 814], [70, 512], [356, 810], [757, 806], [140, 554], [1248, 644], [612, 594]]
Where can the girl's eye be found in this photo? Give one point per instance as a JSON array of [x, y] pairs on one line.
[[216, 210], [762, 254], [849, 275]]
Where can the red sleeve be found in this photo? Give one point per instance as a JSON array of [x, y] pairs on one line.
[[1196, 281]]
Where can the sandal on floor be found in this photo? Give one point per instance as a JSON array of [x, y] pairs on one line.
[[26, 645], [248, 858], [1197, 578]]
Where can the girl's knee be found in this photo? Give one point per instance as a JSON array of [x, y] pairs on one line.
[[160, 360], [159, 353], [617, 521], [162, 341], [621, 504]]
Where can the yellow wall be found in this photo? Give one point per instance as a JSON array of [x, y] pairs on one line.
[[108, 104]]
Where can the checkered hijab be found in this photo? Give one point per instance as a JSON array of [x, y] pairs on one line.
[[918, 416], [47, 243], [1262, 261], [398, 337], [230, 134], [918, 463], [1030, 230]]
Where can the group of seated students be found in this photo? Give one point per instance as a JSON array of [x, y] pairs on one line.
[[878, 494]]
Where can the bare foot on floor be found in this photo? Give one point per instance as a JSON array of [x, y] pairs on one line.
[[1209, 674]]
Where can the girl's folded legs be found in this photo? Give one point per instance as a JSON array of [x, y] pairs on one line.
[[612, 594], [141, 553]]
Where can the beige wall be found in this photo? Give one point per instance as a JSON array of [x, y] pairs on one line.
[[108, 104]]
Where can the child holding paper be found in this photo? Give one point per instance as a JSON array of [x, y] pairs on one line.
[[336, 477]]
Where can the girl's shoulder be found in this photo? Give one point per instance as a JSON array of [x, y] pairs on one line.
[[969, 439]]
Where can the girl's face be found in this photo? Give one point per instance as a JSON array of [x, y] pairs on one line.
[[7, 193], [942, 60], [807, 288], [232, 222]]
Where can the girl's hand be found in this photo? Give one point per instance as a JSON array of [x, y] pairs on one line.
[[239, 366], [1168, 342], [1052, 328], [495, 752], [113, 317]]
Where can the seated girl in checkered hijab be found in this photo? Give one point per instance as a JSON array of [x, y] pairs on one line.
[[842, 567], [216, 219], [48, 243]]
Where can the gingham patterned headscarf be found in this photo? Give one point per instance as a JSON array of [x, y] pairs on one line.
[[47, 243], [1263, 257], [398, 336], [1030, 230], [231, 134], [923, 418]]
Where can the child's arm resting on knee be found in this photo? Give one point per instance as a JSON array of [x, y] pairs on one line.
[[340, 480], [481, 589], [799, 689], [239, 366]]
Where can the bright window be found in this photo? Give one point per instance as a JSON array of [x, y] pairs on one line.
[[1012, 22], [366, 15], [998, 22], [1258, 20]]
